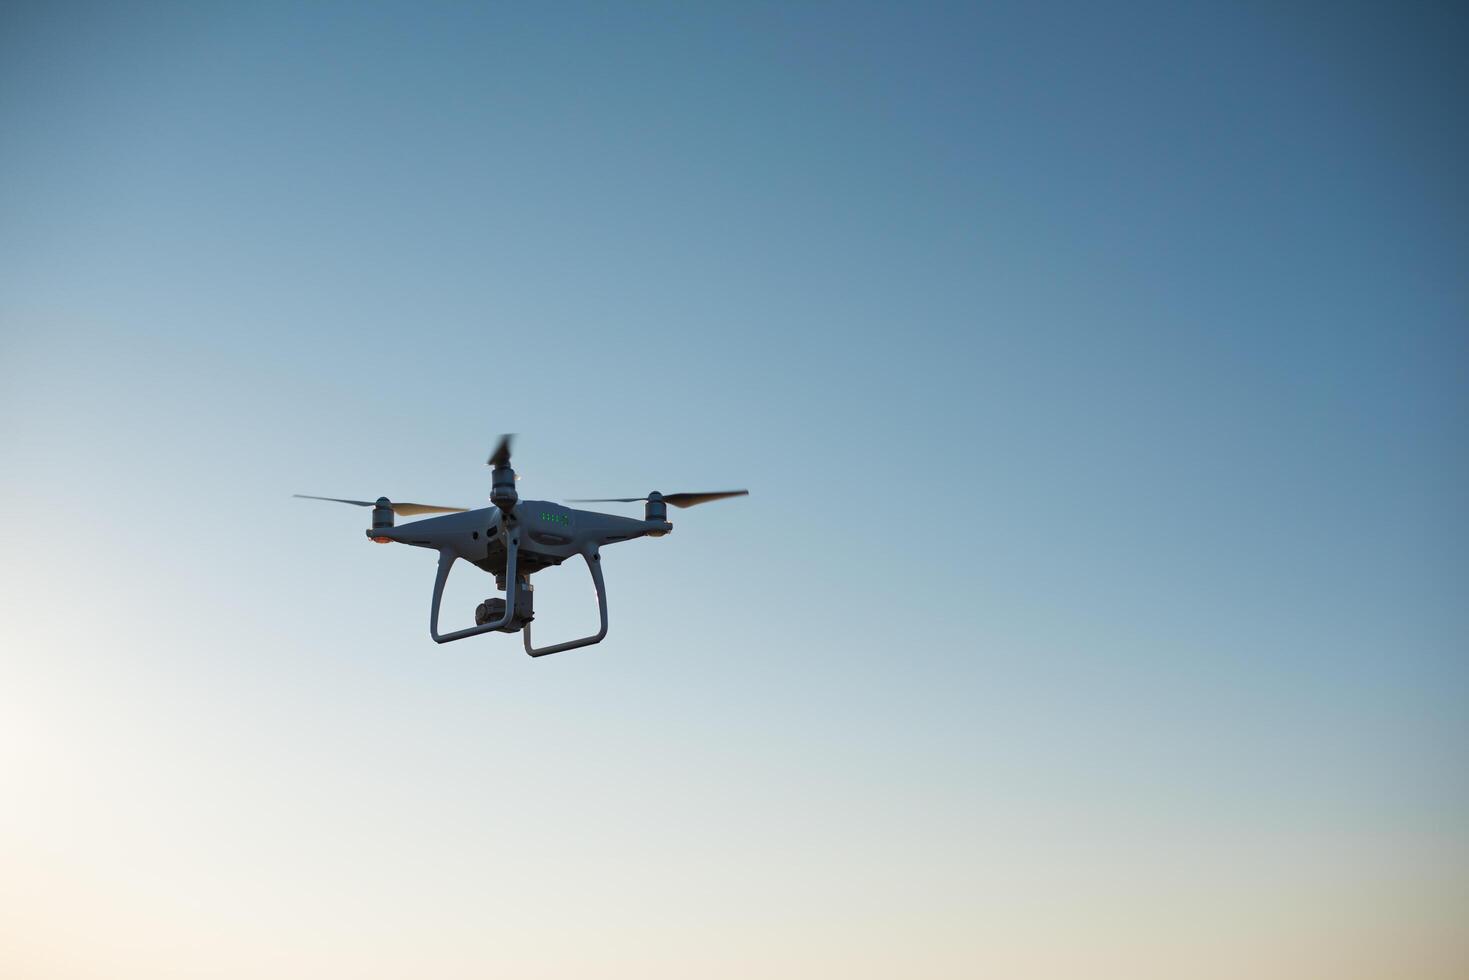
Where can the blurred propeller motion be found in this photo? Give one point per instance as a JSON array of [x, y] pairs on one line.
[[402, 510], [676, 499]]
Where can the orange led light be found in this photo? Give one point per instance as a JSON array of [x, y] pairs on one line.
[[383, 540]]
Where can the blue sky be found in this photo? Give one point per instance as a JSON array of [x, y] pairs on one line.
[[1098, 376]]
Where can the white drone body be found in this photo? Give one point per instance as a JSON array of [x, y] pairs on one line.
[[513, 539]]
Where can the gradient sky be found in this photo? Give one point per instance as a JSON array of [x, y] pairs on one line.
[[1099, 376]]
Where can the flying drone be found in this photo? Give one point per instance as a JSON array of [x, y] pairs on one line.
[[513, 539]]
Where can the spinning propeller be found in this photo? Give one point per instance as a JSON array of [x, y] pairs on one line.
[[404, 510], [657, 509], [676, 499], [502, 477], [501, 455]]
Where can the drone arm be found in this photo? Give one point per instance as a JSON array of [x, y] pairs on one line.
[[447, 557], [594, 562]]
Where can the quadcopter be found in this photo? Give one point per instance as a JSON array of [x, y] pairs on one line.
[[513, 539]]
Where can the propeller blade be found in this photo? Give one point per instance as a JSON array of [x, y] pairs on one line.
[[690, 499], [676, 499], [403, 510], [501, 455], [412, 510], [337, 500]]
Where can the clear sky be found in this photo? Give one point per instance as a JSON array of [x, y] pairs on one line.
[[1099, 377]]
